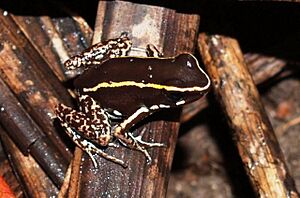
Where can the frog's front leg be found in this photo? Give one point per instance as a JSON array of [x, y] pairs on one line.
[[121, 133]]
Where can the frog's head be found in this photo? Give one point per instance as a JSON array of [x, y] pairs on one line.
[[188, 82]]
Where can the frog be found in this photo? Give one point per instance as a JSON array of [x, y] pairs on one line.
[[116, 91]]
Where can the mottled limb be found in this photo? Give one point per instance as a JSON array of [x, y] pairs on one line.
[[94, 111], [93, 126], [71, 119], [100, 52]]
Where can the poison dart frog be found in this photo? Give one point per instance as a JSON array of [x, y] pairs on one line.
[[116, 91]]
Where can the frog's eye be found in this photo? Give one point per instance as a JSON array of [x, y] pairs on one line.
[[174, 96]]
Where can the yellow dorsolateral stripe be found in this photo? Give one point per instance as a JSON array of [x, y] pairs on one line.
[[144, 85]]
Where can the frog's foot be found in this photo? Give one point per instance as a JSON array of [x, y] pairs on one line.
[[138, 139], [135, 145], [136, 142], [141, 145], [152, 51], [94, 149]]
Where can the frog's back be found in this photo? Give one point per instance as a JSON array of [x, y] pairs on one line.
[[127, 83], [145, 70]]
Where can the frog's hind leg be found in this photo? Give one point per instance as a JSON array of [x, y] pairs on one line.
[[85, 125], [91, 121], [100, 52], [64, 114]]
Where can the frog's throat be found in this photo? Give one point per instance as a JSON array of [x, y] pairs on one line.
[[145, 85]]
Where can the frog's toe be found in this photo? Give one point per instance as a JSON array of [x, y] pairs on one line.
[[147, 144], [138, 139]]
